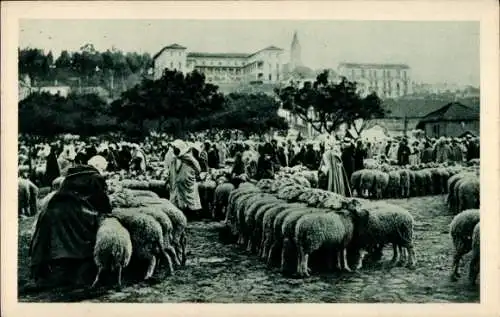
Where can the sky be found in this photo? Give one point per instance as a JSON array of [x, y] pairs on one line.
[[437, 52]]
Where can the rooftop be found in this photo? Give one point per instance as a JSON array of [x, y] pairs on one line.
[[452, 112], [374, 65], [215, 55]]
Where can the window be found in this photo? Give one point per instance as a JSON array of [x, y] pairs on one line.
[[270, 77], [435, 130]]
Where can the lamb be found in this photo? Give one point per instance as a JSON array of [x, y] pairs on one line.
[[461, 232], [147, 238], [113, 248], [474, 265], [221, 200], [386, 223], [333, 229]]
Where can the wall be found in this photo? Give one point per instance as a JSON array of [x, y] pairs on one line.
[[450, 128]]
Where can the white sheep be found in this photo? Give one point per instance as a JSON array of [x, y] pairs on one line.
[[474, 265], [147, 237], [113, 248], [461, 229]]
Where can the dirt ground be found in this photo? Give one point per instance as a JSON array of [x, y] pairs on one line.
[[220, 273]]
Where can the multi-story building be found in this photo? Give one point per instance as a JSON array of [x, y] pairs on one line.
[[262, 66], [387, 80]]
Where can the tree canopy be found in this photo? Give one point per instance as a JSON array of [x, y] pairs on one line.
[[327, 105], [45, 114]]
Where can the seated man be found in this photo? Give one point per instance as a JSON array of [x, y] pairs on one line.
[[61, 249]]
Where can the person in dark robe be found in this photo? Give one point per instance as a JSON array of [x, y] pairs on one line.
[[282, 157], [426, 155], [52, 170], [62, 245], [124, 158], [347, 157], [387, 148], [360, 154], [404, 153], [265, 164], [213, 157], [310, 158], [472, 149]]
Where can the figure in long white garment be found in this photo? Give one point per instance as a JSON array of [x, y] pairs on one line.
[[331, 165], [182, 179]]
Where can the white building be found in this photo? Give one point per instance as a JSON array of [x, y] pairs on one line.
[[262, 66], [387, 80]]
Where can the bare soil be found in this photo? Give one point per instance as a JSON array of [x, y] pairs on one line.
[[221, 273]]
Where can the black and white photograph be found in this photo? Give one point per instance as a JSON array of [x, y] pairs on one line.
[[249, 161]]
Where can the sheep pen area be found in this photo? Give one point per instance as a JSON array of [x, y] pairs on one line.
[[224, 273]]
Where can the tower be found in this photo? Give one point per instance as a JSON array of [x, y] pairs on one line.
[[295, 52]]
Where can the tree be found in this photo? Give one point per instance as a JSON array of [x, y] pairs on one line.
[[251, 113], [172, 98], [46, 115], [327, 105]]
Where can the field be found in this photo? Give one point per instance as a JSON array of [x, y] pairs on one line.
[[216, 272]]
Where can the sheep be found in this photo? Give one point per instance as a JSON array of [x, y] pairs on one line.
[[315, 230], [257, 234], [253, 222], [242, 210], [248, 223], [113, 248], [367, 182], [167, 229], [387, 223], [428, 183], [27, 197], [179, 226], [288, 231], [452, 197], [381, 182], [146, 236], [394, 184], [272, 230], [461, 231], [474, 265], [468, 193], [267, 227], [221, 199], [404, 183], [356, 181]]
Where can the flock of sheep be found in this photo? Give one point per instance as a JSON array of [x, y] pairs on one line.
[[144, 226], [286, 221]]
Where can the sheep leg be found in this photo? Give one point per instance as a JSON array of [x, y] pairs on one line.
[[283, 256], [183, 248], [249, 245], [151, 268], [344, 260], [173, 255], [307, 270], [167, 258], [402, 256], [473, 269], [412, 258], [119, 277], [338, 265], [456, 262], [271, 253], [395, 255], [97, 278]]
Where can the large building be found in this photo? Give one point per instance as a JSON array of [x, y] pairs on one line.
[[264, 65], [387, 80]]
